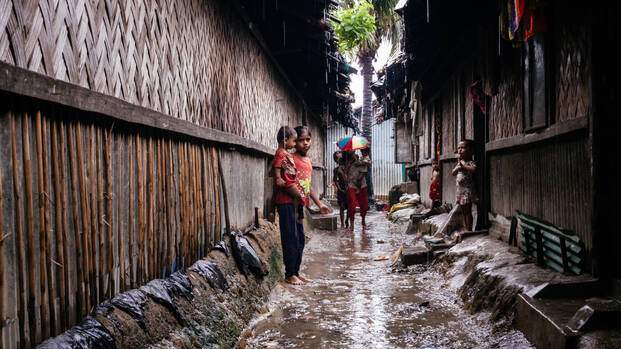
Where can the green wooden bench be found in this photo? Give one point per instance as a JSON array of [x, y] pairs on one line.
[[552, 246]]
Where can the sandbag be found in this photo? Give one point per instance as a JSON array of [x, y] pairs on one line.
[[246, 257]]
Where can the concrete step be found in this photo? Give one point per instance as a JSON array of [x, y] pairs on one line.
[[416, 255], [318, 221], [563, 322], [543, 320]]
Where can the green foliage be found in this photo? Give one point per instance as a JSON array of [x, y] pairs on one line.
[[356, 27]]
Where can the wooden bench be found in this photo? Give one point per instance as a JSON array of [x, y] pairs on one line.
[[552, 246]]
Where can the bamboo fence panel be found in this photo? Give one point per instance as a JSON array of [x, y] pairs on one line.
[[95, 211]]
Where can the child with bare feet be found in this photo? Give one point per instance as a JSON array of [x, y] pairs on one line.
[[466, 167], [304, 165], [286, 200]]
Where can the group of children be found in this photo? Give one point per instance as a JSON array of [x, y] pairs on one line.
[[350, 184], [463, 171], [292, 174]]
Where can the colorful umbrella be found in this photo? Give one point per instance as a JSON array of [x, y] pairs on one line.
[[352, 143]]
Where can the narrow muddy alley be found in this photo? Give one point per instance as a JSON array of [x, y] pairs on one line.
[[356, 302]]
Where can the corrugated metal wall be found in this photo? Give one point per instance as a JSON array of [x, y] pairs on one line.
[[550, 181], [386, 172]]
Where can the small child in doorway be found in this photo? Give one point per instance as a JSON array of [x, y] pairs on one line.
[[465, 169], [434, 188], [339, 182]]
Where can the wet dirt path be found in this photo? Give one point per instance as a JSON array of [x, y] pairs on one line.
[[356, 302]]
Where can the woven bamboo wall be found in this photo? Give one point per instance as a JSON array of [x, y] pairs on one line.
[[573, 68], [505, 117], [90, 209], [191, 59]]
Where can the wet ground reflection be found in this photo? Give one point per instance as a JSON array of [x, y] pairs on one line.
[[359, 303]]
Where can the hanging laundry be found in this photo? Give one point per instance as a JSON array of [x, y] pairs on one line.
[[521, 19]]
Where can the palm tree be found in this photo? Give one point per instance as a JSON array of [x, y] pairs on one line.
[[362, 41]]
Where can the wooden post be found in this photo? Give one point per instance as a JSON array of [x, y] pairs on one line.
[[539, 241], [22, 263]]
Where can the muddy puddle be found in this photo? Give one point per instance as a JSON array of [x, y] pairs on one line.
[[356, 302]]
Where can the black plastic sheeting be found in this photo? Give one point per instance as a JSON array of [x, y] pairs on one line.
[[132, 302], [246, 257], [179, 285], [89, 334], [212, 273], [158, 291], [105, 308], [222, 247]]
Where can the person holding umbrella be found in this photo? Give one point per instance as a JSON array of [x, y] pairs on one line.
[[356, 170]]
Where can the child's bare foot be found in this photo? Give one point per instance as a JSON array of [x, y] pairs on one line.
[[294, 280], [305, 280]]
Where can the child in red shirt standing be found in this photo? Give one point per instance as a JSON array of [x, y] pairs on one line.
[[286, 199], [304, 166]]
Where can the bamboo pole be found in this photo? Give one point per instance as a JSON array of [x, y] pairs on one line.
[[216, 167], [52, 265], [86, 226], [2, 237], [60, 231], [22, 263], [119, 233], [181, 194], [171, 206], [193, 229], [103, 243], [207, 180], [141, 226], [186, 208], [131, 247], [81, 272], [94, 228], [210, 192], [199, 194], [109, 202], [161, 204], [47, 319], [66, 237], [32, 294], [150, 209]]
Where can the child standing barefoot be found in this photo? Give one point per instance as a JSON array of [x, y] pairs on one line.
[[304, 165], [286, 199], [464, 195]]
